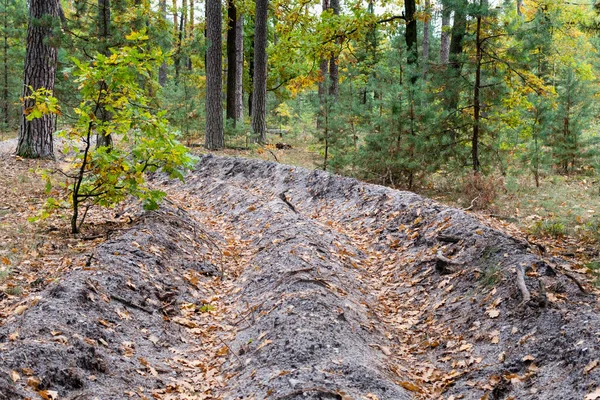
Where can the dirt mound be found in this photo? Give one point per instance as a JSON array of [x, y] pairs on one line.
[[332, 289], [439, 285], [103, 331]]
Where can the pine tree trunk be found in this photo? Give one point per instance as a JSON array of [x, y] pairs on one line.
[[190, 32], [334, 76], [239, 68], [410, 10], [251, 75], [259, 102], [445, 36], [35, 136], [5, 99], [324, 71], [162, 71], [426, 29], [459, 29], [103, 139], [476, 96], [214, 107], [231, 61]]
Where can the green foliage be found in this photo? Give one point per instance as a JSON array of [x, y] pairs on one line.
[[43, 103], [551, 228], [105, 176], [594, 267]]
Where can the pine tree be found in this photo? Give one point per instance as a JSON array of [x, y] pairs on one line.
[[35, 135]]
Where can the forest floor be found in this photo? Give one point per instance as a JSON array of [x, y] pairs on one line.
[[258, 280]]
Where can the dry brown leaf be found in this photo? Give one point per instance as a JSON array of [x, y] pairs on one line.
[[184, 322], [263, 344], [14, 375], [592, 364], [410, 386], [593, 395], [48, 394], [528, 357], [21, 309], [502, 356], [493, 313]]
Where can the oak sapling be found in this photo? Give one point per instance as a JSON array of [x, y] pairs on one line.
[[105, 176]]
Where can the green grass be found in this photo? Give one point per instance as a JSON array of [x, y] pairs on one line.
[[4, 274], [594, 266]]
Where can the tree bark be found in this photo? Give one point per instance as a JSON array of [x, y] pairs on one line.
[[324, 71], [251, 74], [5, 100], [162, 71], [103, 139], [476, 95], [259, 102], [239, 68], [445, 36], [334, 78], [35, 136], [426, 29], [231, 61], [214, 107], [459, 29], [190, 32], [410, 10]]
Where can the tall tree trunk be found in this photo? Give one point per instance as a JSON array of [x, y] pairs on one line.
[[322, 90], [476, 95], [239, 68], [175, 19], [520, 8], [214, 107], [103, 139], [190, 32], [259, 102], [410, 10], [445, 36], [231, 61], [251, 75], [459, 29], [180, 35], [162, 71], [35, 136], [426, 29], [334, 78], [5, 100]]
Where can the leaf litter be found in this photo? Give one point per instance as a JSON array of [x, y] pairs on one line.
[[354, 292]]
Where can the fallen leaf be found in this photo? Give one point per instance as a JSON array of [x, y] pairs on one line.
[[21, 309], [493, 313], [48, 394], [263, 344], [184, 322], [528, 357], [593, 395], [15, 376], [410, 386], [592, 364]]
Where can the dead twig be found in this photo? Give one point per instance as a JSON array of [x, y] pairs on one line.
[[521, 285], [283, 198], [472, 203], [574, 279], [441, 257]]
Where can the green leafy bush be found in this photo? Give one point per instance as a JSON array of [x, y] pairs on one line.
[[103, 175]]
